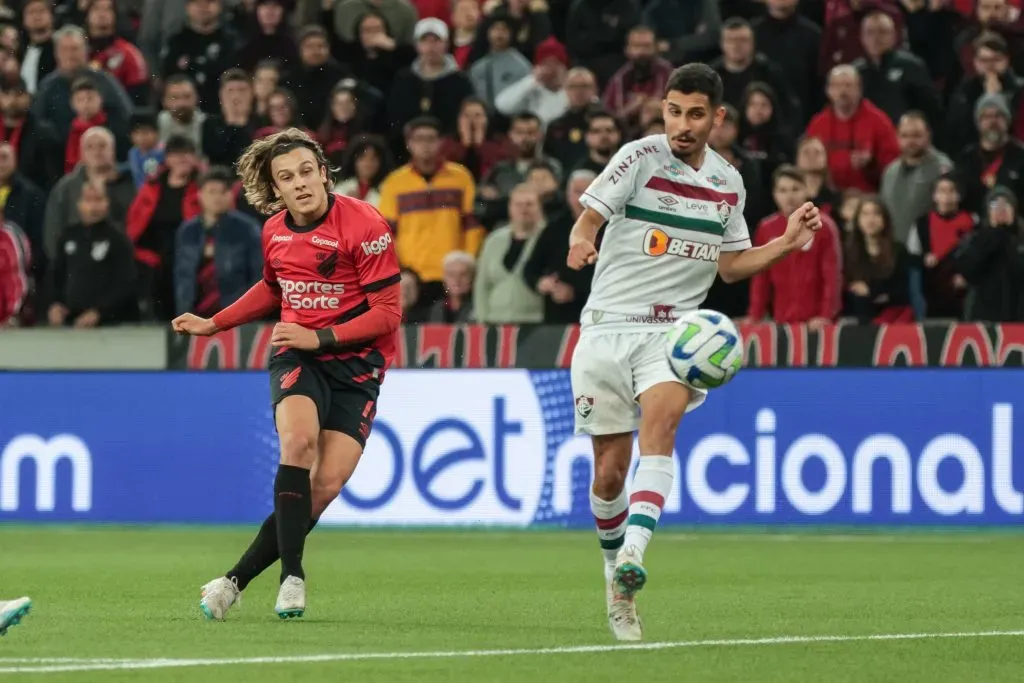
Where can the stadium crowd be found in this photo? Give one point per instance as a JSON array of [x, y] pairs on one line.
[[474, 126]]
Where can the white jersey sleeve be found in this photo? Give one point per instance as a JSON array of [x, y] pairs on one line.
[[609, 193], [737, 234]]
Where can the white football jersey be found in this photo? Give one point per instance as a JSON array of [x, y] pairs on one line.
[[667, 224]]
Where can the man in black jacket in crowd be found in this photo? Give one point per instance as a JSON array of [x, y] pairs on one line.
[[92, 279]]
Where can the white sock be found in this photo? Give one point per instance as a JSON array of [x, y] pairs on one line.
[[611, 517], [651, 486]]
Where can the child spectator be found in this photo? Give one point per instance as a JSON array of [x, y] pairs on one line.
[[161, 206], [92, 280], [807, 286], [218, 254], [992, 260], [87, 103], [147, 154], [931, 242], [812, 159], [877, 268]]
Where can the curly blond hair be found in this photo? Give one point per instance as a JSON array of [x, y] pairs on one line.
[[254, 167]]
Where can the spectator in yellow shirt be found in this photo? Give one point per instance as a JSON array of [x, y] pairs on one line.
[[429, 203]]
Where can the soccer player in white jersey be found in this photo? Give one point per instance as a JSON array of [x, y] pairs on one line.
[[674, 213], [12, 612]]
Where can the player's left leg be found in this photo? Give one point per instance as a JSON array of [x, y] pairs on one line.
[[663, 401], [12, 612]]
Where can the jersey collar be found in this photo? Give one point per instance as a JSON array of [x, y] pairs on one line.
[[290, 223]]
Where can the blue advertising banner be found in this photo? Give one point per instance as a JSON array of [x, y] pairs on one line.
[[495, 447]]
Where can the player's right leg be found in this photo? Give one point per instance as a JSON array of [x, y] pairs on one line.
[[12, 612], [605, 410], [299, 395]]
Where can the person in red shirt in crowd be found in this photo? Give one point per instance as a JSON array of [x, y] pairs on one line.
[[115, 55], [465, 20], [161, 206], [88, 105], [840, 37], [643, 77], [331, 269], [877, 268], [474, 146], [931, 244], [15, 273], [860, 139], [807, 287]]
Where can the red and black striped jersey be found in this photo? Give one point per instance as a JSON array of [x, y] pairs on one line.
[[325, 270]]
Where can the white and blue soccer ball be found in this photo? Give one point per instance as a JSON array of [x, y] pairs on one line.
[[705, 350]]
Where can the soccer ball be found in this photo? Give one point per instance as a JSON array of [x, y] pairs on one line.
[[704, 349]]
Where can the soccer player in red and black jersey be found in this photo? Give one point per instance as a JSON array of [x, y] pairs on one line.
[[330, 268]]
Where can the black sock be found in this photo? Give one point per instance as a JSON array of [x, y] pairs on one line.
[[293, 508], [260, 555]]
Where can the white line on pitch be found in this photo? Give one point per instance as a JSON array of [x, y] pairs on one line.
[[134, 664]]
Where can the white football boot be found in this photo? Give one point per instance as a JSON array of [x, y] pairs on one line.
[[291, 599], [12, 612], [218, 596]]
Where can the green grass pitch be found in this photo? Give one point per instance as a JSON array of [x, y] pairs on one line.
[[721, 606]]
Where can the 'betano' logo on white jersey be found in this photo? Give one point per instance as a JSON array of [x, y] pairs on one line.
[[658, 243], [321, 242], [378, 246], [311, 295]]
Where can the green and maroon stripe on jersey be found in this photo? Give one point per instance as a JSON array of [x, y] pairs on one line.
[[687, 191]]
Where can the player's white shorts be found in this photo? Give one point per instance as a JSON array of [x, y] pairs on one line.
[[610, 370]]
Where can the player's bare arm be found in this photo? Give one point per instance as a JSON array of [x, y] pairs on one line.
[[260, 300], [739, 265], [582, 251]]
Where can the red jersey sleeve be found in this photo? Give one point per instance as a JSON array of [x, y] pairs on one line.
[[373, 252]]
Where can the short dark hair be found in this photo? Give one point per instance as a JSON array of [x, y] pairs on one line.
[[143, 118], [179, 144], [84, 84], [216, 174], [421, 122], [179, 79], [788, 171], [698, 78], [234, 75], [990, 40], [528, 116], [733, 23]]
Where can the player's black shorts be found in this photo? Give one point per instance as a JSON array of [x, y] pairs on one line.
[[345, 405]]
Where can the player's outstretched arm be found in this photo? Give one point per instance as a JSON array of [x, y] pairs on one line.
[[582, 251], [256, 303], [734, 266]]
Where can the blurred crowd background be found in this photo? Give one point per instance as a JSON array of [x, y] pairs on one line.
[[475, 125]]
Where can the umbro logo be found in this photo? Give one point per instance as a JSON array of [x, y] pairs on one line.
[[668, 200]]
